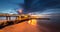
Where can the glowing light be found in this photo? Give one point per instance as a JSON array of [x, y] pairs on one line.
[[20, 10], [32, 22]]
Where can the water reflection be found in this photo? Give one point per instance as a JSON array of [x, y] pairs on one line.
[[52, 25], [36, 25], [33, 22]]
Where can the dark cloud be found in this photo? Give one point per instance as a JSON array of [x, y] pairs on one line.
[[41, 5]]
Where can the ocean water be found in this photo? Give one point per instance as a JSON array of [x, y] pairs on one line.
[[52, 25]]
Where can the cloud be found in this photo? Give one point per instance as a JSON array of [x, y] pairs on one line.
[[48, 11], [7, 5], [41, 5]]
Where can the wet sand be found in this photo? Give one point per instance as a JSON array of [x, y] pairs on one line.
[[21, 27]]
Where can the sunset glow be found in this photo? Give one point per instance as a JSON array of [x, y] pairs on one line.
[[32, 22], [20, 10]]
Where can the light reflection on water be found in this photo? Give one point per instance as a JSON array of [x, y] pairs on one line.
[[33, 22], [51, 25]]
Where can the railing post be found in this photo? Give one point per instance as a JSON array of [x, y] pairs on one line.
[[6, 17]]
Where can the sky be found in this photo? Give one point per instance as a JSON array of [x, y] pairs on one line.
[[43, 6], [9, 6], [39, 6]]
